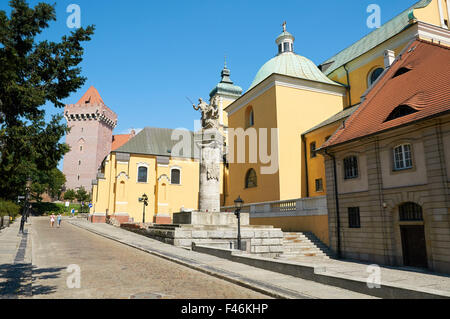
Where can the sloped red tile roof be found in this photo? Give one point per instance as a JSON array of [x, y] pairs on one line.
[[425, 88], [91, 97], [119, 140]]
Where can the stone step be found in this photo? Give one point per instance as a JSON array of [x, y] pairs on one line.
[[303, 244]]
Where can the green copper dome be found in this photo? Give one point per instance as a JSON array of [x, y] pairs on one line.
[[291, 64], [226, 87]]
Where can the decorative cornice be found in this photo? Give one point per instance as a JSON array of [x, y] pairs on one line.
[[286, 81]]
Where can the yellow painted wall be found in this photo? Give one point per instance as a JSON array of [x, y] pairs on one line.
[[318, 225], [430, 14], [316, 165], [120, 190], [297, 111], [292, 111], [265, 116]]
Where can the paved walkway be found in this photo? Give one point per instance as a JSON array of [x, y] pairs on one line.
[[15, 261], [410, 278], [110, 270], [270, 283]]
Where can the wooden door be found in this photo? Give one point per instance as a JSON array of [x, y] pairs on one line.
[[414, 246]]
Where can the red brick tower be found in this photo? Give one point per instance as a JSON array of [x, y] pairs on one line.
[[90, 138]]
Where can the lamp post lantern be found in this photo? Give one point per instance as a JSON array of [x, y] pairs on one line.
[[144, 199], [238, 205]]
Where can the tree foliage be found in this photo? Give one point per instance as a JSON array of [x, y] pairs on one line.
[[31, 74], [82, 195], [69, 195]]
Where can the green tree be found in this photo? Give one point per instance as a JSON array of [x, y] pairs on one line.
[[69, 195], [33, 73], [82, 196], [50, 182]]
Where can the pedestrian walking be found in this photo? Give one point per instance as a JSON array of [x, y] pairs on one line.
[[58, 219], [22, 223], [52, 220]]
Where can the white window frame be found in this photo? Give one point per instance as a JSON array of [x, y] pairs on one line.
[[402, 156], [369, 77]]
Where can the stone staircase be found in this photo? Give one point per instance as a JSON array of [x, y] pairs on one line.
[[303, 245]]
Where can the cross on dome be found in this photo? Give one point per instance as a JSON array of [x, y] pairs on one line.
[[285, 41]]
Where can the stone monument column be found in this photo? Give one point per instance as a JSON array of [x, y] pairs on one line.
[[210, 143]]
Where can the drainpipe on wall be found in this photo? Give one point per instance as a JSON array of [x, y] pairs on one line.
[[348, 86], [338, 219], [306, 165]]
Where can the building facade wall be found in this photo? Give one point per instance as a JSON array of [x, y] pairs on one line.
[[89, 139], [297, 111], [265, 116], [118, 191], [379, 239]]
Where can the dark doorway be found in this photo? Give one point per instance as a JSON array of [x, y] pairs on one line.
[[414, 246]]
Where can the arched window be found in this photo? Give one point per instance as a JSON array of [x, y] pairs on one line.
[[374, 75], [350, 167], [250, 179], [142, 174], [410, 212], [402, 157], [175, 176], [249, 117]]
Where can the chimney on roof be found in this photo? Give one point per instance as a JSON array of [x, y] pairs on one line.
[[389, 58]]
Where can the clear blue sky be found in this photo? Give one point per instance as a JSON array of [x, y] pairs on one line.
[[147, 56]]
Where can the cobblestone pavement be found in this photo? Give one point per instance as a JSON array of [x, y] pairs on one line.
[[113, 270]]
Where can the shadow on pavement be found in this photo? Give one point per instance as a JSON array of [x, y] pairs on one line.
[[16, 280]]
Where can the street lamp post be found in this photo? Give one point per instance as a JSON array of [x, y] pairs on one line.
[[144, 199], [238, 205], [27, 197]]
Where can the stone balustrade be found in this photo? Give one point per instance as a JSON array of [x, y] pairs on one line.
[[310, 206]]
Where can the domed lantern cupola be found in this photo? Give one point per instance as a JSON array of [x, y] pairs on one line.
[[285, 41], [226, 87]]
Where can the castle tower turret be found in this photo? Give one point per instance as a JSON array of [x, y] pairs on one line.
[[91, 124]]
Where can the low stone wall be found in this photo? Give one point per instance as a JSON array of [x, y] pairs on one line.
[[258, 240], [307, 272]]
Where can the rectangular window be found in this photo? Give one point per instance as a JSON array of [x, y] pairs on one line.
[[175, 176], [354, 217], [312, 149], [402, 157], [319, 185], [142, 174], [350, 167]]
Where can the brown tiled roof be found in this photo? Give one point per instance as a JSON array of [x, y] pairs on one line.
[[424, 90], [119, 140], [91, 97]]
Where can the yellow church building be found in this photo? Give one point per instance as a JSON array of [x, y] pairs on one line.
[[307, 103], [145, 165]]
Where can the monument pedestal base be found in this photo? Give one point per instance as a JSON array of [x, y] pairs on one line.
[[217, 230], [209, 218]]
